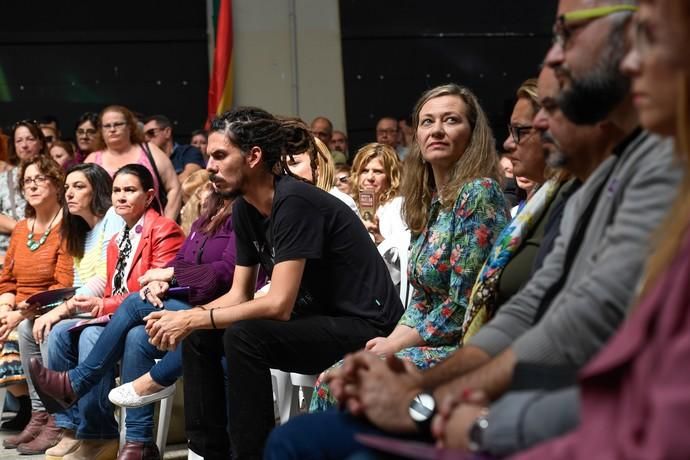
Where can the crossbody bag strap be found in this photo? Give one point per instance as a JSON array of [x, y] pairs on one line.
[[161, 192]]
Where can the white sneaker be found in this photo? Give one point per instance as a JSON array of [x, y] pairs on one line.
[[125, 396]]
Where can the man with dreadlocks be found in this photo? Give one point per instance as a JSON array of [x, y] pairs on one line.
[[330, 290]]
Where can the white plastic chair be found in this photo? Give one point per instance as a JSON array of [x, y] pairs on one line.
[[404, 283], [286, 390], [164, 415]]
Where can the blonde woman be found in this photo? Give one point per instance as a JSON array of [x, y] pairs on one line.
[[454, 208], [376, 169]]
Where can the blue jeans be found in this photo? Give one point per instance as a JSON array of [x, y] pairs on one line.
[[93, 416], [328, 434], [125, 338]]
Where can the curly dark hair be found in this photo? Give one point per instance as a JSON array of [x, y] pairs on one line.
[[248, 127]]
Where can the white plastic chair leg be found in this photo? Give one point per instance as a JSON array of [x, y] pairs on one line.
[[282, 389], [123, 427], [306, 384], [191, 455], [164, 415]]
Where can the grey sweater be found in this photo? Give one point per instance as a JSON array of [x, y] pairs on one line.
[[604, 274]]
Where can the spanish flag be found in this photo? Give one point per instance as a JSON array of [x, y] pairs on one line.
[[220, 86]]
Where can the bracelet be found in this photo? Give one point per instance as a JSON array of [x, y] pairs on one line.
[[213, 323]]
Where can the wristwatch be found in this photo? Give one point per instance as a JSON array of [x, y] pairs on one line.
[[422, 409], [477, 431]]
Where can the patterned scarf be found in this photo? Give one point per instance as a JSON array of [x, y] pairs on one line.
[[119, 285], [485, 291]]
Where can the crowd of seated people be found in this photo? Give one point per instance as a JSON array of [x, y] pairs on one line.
[[554, 326]]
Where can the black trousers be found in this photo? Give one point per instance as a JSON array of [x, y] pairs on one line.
[[306, 345]]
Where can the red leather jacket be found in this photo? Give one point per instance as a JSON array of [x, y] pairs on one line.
[[161, 238]]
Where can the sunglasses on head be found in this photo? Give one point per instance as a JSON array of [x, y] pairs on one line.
[[33, 123]]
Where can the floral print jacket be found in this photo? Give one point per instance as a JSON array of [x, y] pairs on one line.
[[446, 258]]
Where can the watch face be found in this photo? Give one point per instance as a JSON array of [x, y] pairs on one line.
[[422, 407]]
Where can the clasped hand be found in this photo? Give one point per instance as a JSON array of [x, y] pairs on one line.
[[379, 389], [154, 292], [167, 329]]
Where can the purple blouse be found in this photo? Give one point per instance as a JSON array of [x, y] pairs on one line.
[[206, 263]]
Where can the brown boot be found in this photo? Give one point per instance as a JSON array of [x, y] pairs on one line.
[[133, 450], [50, 435], [30, 432]]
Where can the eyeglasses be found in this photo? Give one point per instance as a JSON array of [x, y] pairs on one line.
[[518, 131], [116, 126], [152, 132], [86, 132], [568, 23], [38, 180]]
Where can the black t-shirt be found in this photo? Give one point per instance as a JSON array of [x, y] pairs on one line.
[[344, 274]]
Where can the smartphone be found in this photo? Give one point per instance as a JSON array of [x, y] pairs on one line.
[[367, 205], [180, 292]]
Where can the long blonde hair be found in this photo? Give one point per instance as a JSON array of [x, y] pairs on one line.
[[675, 225], [391, 166], [478, 160], [324, 164]]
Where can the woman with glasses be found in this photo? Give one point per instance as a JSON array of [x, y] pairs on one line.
[[146, 241], [523, 144], [88, 224], [26, 142], [36, 261], [342, 179], [120, 141], [520, 248], [85, 134]]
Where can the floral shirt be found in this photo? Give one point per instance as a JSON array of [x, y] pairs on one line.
[[444, 262], [446, 258]]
